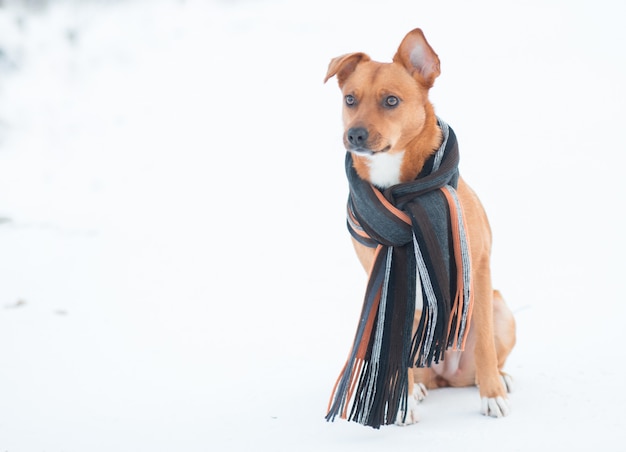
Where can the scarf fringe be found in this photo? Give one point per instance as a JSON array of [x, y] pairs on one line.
[[464, 297]]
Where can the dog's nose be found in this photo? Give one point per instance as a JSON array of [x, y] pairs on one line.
[[357, 136]]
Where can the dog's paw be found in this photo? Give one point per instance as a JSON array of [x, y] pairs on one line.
[[411, 416], [419, 391], [495, 406], [507, 381]]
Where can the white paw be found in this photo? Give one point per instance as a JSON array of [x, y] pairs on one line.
[[411, 416], [419, 391], [495, 406], [507, 380]]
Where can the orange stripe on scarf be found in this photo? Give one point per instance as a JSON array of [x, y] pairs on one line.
[[458, 258], [391, 208]]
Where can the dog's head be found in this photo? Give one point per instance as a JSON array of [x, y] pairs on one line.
[[386, 108]]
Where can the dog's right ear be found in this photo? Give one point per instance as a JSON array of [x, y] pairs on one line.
[[344, 65]]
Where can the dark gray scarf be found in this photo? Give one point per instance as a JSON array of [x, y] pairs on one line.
[[422, 256]]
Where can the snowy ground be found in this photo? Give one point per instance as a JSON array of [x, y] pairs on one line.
[[176, 274]]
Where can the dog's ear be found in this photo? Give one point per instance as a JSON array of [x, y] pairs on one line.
[[417, 56], [344, 65]]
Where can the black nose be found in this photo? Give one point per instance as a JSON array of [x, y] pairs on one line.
[[357, 136]]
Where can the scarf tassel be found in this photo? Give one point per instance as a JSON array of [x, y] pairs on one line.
[[375, 376], [464, 297]]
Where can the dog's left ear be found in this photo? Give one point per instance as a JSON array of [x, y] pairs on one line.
[[344, 65], [417, 56]]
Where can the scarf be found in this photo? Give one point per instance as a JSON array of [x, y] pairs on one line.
[[422, 263]]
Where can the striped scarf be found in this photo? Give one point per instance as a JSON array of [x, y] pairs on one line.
[[422, 262]]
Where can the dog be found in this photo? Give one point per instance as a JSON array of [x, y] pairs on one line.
[[390, 129]]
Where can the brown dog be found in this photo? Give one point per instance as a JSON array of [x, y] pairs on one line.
[[391, 130]]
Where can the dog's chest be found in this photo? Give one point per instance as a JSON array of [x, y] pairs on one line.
[[384, 168]]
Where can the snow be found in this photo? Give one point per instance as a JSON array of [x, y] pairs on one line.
[[176, 273]]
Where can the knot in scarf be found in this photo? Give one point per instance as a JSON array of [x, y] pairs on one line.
[[421, 262]]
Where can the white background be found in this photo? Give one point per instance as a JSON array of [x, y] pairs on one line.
[[175, 272]]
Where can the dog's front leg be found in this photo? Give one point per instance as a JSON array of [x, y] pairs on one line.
[[493, 393], [365, 254]]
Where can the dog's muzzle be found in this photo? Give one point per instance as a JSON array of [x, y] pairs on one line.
[[356, 142]]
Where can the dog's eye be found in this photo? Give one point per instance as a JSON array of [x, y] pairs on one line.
[[350, 100], [391, 101]]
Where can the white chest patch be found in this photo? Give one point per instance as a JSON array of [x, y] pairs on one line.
[[385, 168]]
